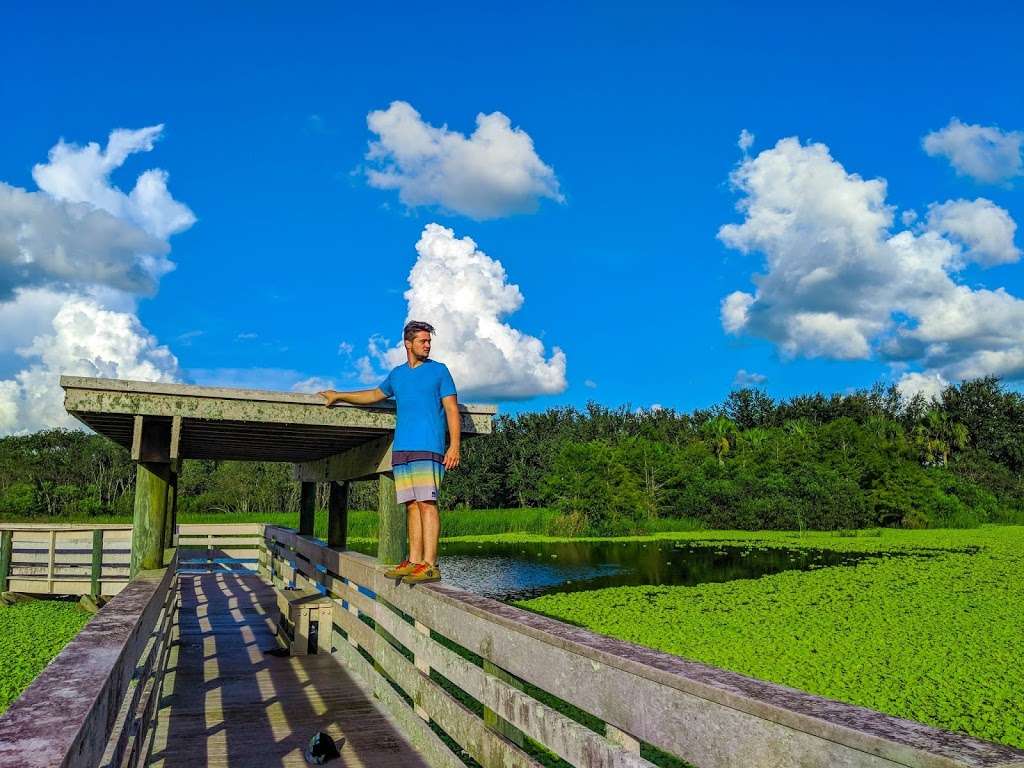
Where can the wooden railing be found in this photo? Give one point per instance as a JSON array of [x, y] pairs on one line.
[[95, 703], [220, 547], [64, 559], [462, 672]]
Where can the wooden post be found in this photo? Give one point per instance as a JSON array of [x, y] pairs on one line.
[[631, 743], [51, 561], [393, 526], [337, 515], [307, 509], [6, 550], [423, 667], [97, 563], [150, 516], [491, 718]]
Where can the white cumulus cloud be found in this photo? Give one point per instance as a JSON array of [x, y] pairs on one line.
[[465, 295], [493, 172], [839, 282], [85, 340], [983, 152], [930, 385], [984, 229], [44, 241], [75, 256], [82, 175]]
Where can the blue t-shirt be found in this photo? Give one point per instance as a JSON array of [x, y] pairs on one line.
[[418, 392]]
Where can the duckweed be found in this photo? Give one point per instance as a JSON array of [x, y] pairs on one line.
[[31, 634], [935, 635]]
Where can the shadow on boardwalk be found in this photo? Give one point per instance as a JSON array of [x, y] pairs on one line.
[[226, 703]]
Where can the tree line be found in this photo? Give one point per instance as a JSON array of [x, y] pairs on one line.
[[871, 457]]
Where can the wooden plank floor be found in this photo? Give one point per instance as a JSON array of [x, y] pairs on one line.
[[226, 703]]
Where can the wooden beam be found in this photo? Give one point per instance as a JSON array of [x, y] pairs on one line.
[[175, 438], [136, 438], [364, 461], [337, 515], [150, 516], [393, 525], [151, 440], [307, 508]]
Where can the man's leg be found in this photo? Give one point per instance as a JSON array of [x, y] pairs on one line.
[[430, 523], [415, 525]]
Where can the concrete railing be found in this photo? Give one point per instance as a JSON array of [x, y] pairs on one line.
[[434, 653], [94, 705], [71, 559]]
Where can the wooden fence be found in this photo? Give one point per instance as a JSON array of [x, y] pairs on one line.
[[95, 703], [220, 547], [464, 673], [64, 559]]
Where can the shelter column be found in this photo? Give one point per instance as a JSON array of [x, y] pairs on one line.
[[151, 481], [152, 451], [393, 522], [337, 515], [307, 508]]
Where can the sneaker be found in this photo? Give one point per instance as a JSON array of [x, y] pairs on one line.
[[422, 573], [404, 568]]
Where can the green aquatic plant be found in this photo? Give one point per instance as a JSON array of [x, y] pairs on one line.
[[31, 634], [929, 630]]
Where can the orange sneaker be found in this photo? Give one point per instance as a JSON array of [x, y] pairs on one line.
[[423, 573], [404, 568]]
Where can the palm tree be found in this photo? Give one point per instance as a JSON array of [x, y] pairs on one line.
[[720, 432], [937, 437]]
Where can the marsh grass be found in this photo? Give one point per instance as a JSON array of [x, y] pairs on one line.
[[363, 524]]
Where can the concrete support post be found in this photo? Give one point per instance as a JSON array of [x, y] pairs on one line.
[[307, 509], [150, 516], [393, 526], [337, 515]]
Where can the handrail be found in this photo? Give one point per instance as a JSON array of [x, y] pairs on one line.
[[707, 716], [103, 687], [64, 559]]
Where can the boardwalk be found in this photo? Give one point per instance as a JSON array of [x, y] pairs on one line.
[[226, 703]]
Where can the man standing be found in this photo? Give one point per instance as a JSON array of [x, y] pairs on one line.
[[425, 395]]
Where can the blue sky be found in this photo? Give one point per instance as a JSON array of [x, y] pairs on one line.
[[636, 110]]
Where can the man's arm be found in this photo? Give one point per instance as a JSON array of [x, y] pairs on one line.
[[451, 412], [359, 397]]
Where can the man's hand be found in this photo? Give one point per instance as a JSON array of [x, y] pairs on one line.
[[451, 458], [330, 396]]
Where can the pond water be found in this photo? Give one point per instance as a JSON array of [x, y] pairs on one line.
[[509, 571]]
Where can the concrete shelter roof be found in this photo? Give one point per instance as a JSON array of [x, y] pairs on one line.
[[244, 424]]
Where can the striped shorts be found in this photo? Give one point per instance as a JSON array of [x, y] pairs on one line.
[[418, 475]]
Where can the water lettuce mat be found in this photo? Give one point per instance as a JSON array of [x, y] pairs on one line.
[[930, 630], [31, 634]]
